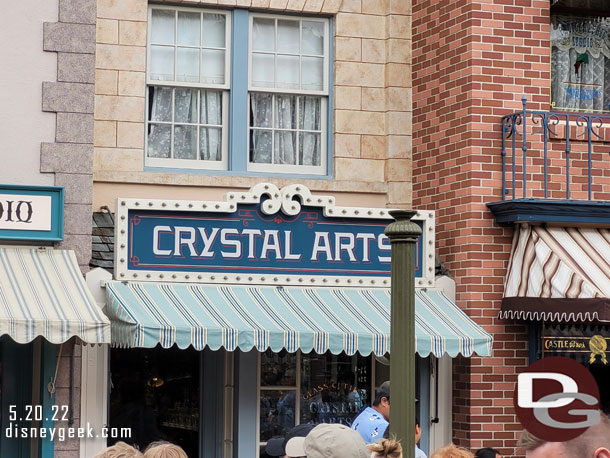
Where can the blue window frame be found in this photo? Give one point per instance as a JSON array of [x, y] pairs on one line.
[[291, 135]]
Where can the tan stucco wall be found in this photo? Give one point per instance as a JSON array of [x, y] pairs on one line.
[[371, 90]]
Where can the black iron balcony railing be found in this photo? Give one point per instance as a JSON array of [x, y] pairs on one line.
[[552, 155]]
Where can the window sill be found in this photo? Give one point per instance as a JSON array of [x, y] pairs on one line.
[[226, 179]]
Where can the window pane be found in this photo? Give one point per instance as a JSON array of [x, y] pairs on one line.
[[277, 414], [188, 65], [162, 27], [288, 37], [312, 73], [287, 72], [214, 30], [309, 149], [262, 70], [159, 137], [261, 112], [210, 143], [285, 148], [189, 28], [278, 369], [211, 107], [213, 66], [185, 142], [260, 146], [313, 38], [309, 113], [285, 111], [160, 104], [334, 387], [185, 105], [161, 63], [263, 34]]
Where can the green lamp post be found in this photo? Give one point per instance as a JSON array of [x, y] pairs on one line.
[[403, 234]]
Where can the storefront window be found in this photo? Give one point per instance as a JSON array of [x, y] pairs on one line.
[[580, 63], [311, 388], [155, 392], [333, 387]]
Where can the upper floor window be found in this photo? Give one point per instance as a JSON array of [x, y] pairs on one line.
[[188, 88], [279, 106], [580, 63], [288, 93]]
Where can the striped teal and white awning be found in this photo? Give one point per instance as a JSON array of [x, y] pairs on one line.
[[338, 320], [43, 293]]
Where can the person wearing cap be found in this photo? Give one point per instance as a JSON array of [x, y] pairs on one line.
[[329, 440], [373, 421], [278, 446]]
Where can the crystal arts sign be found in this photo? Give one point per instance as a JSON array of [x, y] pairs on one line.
[[265, 235]]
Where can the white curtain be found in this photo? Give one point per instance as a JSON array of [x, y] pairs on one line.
[[580, 64], [185, 123], [280, 123]]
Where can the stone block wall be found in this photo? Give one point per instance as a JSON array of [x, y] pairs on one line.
[[472, 63], [371, 96], [70, 157]]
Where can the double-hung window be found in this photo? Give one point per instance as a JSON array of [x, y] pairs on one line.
[[188, 88], [288, 94], [278, 94]]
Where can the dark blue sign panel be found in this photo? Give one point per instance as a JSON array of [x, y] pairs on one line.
[[249, 241]]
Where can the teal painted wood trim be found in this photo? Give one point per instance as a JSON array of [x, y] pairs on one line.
[[17, 392], [56, 233], [47, 372], [246, 410], [330, 136], [238, 100]]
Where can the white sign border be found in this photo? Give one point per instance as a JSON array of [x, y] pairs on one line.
[[284, 200]]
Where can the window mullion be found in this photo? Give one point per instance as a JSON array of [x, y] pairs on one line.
[[173, 128]]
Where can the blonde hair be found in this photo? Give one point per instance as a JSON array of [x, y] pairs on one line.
[[162, 449], [120, 450], [389, 448], [451, 451]]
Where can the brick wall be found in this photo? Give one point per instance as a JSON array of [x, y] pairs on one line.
[[372, 99], [472, 62]]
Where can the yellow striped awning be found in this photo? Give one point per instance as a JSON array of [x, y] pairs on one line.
[[350, 320], [43, 293], [558, 274]]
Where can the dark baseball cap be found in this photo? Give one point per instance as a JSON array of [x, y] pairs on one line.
[[277, 445], [384, 390]]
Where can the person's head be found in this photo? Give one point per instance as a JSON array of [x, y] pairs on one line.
[[333, 440], [162, 449], [279, 446], [593, 443], [487, 452], [417, 429], [120, 450], [452, 451], [386, 448], [381, 403]]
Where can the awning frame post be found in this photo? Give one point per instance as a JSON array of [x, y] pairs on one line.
[[403, 234]]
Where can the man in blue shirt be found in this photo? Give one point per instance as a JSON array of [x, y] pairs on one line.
[[373, 421]]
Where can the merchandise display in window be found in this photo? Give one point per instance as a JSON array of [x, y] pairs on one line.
[[580, 63], [298, 388], [155, 392]]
